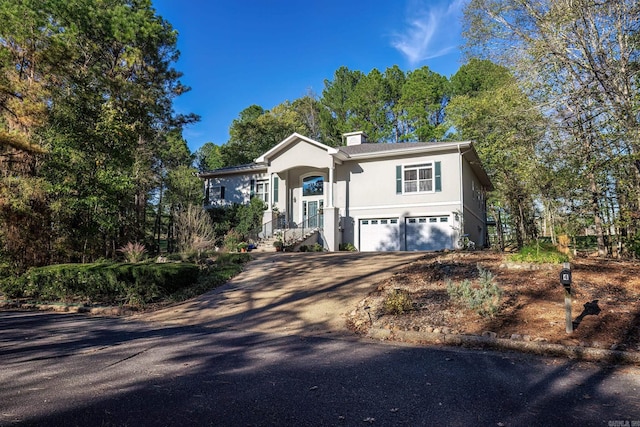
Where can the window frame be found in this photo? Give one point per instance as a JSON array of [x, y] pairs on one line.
[[264, 194], [418, 167]]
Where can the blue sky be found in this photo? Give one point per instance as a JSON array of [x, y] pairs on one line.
[[235, 53]]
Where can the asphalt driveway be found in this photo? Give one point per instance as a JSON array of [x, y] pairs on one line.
[[291, 293]]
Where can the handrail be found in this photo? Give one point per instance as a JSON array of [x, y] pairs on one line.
[[288, 231]]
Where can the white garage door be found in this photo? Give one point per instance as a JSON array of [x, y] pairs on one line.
[[428, 233], [379, 234]]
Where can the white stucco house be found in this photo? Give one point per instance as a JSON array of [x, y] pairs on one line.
[[376, 196]]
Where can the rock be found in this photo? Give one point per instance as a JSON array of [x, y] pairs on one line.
[[489, 334], [516, 337]]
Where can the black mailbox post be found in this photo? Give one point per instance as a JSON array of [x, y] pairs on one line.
[[565, 279]]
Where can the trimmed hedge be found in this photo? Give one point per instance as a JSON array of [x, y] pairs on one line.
[[108, 283]]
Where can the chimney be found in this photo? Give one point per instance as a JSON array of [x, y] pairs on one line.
[[355, 138]]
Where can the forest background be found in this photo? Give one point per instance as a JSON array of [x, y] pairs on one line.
[[92, 155]]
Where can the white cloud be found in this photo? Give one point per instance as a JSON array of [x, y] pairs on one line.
[[433, 30]]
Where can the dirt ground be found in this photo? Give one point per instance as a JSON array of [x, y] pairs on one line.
[[605, 301]]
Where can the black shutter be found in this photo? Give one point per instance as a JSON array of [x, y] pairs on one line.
[[275, 189]]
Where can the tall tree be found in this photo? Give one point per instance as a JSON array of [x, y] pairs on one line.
[[257, 131], [335, 99], [208, 157], [368, 105], [102, 93], [581, 56], [424, 97], [507, 130]]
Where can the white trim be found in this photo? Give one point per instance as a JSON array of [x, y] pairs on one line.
[[416, 166], [452, 203], [411, 150]]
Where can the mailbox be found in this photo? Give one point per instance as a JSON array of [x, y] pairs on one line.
[[565, 279]]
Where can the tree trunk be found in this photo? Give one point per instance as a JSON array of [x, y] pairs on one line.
[[597, 219]]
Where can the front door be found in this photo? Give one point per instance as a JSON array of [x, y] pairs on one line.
[[312, 201], [312, 213]]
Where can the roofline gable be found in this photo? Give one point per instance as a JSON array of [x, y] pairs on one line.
[[294, 137]]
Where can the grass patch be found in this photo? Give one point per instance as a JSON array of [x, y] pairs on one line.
[[539, 253]]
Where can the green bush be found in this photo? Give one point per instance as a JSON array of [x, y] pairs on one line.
[[483, 297], [541, 253], [135, 284], [231, 241], [347, 247], [397, 301]]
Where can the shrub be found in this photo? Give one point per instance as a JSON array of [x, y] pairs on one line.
[[231, 241], [397, 301], [317, 248], [541, 253], [133, 252], [483, 297], [347, 247], [135, 284]]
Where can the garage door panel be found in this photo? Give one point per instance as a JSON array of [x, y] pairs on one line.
[[428, 233], [379, 234]]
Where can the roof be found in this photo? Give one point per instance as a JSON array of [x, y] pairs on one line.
[[229, 170], [383, 148]]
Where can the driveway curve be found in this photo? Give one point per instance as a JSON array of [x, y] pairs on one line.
[[289, 293]]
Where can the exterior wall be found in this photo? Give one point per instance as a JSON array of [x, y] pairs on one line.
[[237, 188], [367, 189], [474, 206]]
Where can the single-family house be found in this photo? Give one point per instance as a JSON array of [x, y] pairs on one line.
[[375, 196]]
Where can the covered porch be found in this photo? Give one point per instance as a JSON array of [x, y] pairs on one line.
[[300, 174]]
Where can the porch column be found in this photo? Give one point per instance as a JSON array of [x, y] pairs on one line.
[[330, 229], [330, 201]]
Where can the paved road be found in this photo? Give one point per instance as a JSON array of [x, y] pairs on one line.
[[290, 293], [71, 370]]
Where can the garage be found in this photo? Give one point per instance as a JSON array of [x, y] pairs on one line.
[[379, 234], [428, 233]]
